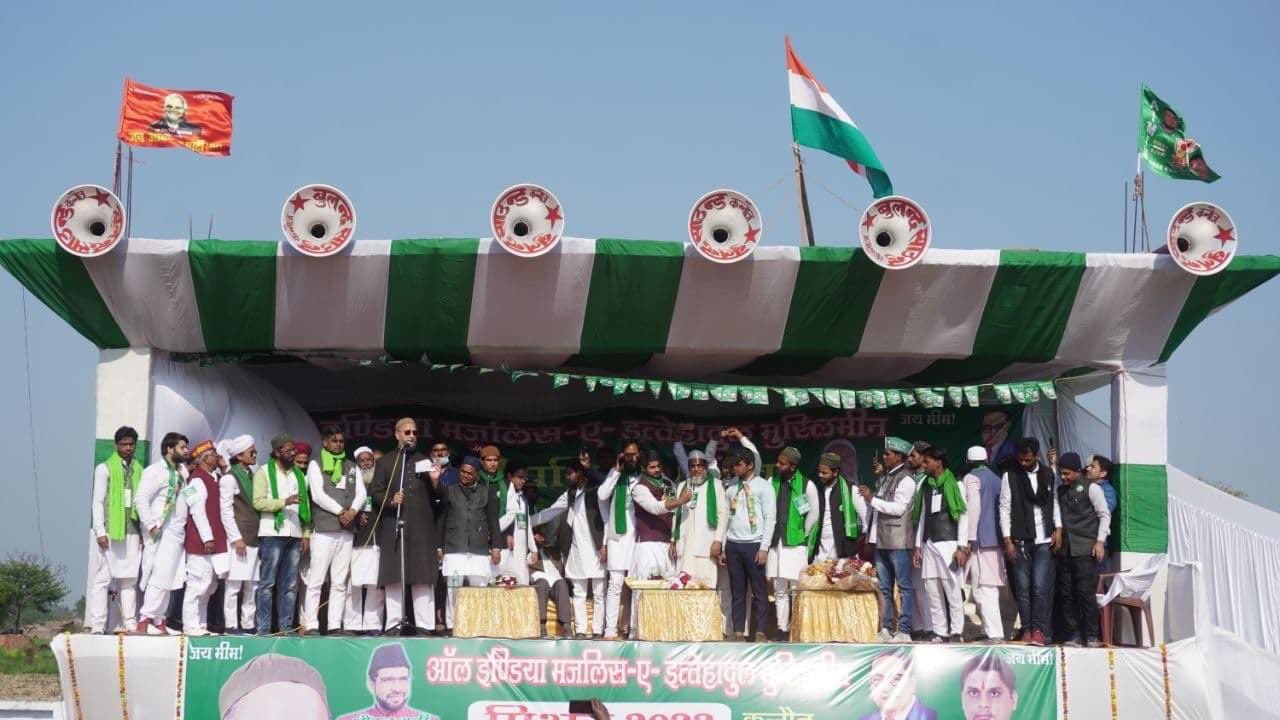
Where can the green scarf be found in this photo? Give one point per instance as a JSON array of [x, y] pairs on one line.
[[304, 500], [950, 493], [795, 523], [241, 474], [846, 508], [503, 489], [171, 494], [488, 478], [115, 494], [620, 504], [332, 464], [712, 510]]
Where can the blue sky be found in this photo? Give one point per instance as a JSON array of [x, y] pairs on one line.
[[1015, 127]]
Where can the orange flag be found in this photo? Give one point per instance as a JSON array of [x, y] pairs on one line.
[[158, 117]]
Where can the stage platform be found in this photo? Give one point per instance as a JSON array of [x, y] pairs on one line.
[[103, 677]]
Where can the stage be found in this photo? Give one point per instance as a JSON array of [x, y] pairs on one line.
[[481, 679]]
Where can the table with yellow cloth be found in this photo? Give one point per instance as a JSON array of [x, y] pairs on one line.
[[834, 616], [678, 615], [495, 612]]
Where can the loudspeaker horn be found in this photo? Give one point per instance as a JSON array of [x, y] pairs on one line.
[[88, 220], [1202, 238], [527, 220], [318, 220], [895, 232], [725, 226]]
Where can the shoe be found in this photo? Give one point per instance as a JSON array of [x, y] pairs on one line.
[[156, 628], [611, 636], [959, 639], [884, 636], [1073, 641], [735, 637], [761, 638], [1095, 643], [303, 632], [1037, 638], [901, 637], [783, 636], [198, 632], [936, 640], [143, 627], [1026, 637]]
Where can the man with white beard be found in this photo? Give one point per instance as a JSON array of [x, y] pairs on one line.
[[364, 598]]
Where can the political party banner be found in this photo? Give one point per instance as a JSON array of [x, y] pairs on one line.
[[547, 447], [198, 120], [1164, 144], [429, 678]]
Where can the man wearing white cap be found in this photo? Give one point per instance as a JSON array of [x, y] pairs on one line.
[[365, 600], [986, 566], [236, 484], [274, 685]]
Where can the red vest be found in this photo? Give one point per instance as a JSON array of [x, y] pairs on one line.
[[650, 527], [212, 510]]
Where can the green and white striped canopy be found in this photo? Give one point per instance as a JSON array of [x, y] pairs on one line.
[[644, 308]]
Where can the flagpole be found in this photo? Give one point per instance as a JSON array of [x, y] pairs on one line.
[[128, 201], [115, 172], [806, 226]]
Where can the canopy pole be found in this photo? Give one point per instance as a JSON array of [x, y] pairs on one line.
[[806, 226]]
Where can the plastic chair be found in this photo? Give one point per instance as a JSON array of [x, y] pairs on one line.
[[1130, 590]]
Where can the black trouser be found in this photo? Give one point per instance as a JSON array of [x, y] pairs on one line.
[[564, 604], [1077, 588], [743, 569]]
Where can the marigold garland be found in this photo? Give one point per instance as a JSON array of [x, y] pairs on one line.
[[182, 658], [1062, 668], [71, 670], [1111, 670], [1164, 668], [124, 695]]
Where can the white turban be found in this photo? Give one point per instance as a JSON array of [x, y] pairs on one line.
[[362, 450], [238, 444]]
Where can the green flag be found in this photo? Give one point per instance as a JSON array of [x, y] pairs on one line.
[[1163, 142]]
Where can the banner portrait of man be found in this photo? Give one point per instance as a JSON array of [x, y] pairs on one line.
[[174, 119], [389, 682]]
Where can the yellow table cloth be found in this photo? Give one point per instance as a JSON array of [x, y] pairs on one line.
[[678, 615], [495, 612], [834, 616]]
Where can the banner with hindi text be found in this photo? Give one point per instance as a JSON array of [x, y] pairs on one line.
[[429, 678]]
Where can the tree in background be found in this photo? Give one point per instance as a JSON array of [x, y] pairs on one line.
[[28, 582]]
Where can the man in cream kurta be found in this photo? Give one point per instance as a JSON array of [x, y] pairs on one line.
[[700, 525], [113, 537], [942, 544], [519, 553]]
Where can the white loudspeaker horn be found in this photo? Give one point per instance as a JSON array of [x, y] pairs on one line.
[[1202, 238], [318, 220], [88, 220], [895, 232], [725, 226], [527, 220]]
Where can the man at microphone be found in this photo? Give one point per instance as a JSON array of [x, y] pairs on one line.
[[401, 488]]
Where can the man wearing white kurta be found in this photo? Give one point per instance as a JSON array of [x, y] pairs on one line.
[[581, 541], [337, 494], [986, 565], [797, 515], [618, 509], [365, 600], [160, 483], [515, 557], [942, 544], [842, 513], [700, 526], [236, 485], [167, 521], [113, 538], [204, 565]]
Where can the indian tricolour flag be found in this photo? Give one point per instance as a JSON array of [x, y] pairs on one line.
[[818, 121]]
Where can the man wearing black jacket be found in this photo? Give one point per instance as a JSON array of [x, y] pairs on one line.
[[1031, 522], [842, 513], [472, 538]]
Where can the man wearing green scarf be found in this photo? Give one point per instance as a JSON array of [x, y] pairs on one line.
[[942, 543], [793, 534], [284, 531], [700, 526], [337, 494], [114, 538], [490, 470], [842, 513], [619, 529]]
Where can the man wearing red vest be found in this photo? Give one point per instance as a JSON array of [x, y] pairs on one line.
[[204, 563]]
